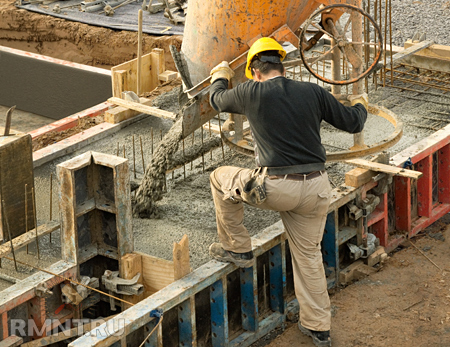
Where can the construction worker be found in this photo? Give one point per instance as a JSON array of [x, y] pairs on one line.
[[284, 117]]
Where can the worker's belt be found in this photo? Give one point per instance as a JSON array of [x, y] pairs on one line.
[[297, 177]]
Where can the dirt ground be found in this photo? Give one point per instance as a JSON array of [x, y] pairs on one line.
[[73, 41], [406, 303]]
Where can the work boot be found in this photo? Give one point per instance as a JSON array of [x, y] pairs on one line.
[[320, 338], [240, 259]]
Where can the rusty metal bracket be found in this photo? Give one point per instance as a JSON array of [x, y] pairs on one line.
[[118, 285]]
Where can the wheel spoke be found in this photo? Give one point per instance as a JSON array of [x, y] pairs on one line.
[[322, 56], [320, 29], [347, 24]]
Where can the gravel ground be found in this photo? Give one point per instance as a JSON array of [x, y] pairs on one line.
[[431, 17]]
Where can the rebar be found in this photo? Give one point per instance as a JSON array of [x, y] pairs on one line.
[[33, 197], [9, 233], [51, 202], [26, 212], [152, 140], [221, 141], [142, 154], [134, 155], [209, 122], [203, 155], [184, 164]]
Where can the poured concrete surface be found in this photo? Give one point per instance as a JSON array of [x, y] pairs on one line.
[[23, 121]]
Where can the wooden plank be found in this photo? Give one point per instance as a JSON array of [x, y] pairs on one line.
[[153, 111], [130, 265], [181, 258], [158, 66], [355, 271], [392, 170], [12, 341], [409, 51], [64, 335], [376, 256], [120, 113], [168, 76], [131, 74], [28, 237], [357, 177], [16, 171], [119, 81], [157, 273], [432, 51]]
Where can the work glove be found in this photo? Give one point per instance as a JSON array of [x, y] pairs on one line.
[[359, 99], [222, 70]]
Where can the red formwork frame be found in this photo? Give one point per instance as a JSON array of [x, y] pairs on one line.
[[408, 223]]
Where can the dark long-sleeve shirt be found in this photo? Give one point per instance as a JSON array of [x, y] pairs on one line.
[[285, 117]]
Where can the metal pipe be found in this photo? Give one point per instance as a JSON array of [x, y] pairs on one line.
[[357, 88], [390, 39], [385, 39]]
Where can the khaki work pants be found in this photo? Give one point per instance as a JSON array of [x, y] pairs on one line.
[[303, 206]]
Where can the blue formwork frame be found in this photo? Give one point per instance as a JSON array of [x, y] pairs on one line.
[[180, 295]]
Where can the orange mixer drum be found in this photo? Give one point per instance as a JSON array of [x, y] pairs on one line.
[[220, 30]]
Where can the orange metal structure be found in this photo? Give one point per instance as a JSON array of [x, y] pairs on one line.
[[222, 30]]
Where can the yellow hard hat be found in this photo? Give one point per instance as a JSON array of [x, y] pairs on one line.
[[261, 45]]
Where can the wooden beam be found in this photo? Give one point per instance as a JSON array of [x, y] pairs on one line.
[[11, 341], [64, 335], [392, 170], [416, 47], [355, 271], [153, 111], [181, 263], [157, 273], [357, 177], [120, 113], [119, 79], [28, 237], [157, 65], [168, 76], [130, 265]]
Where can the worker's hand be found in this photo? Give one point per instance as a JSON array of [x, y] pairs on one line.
[[222, 70], [359, 99]]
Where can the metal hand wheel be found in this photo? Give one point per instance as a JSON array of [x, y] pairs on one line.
[[340, 23]]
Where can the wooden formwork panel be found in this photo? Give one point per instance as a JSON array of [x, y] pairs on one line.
[[16, 173]]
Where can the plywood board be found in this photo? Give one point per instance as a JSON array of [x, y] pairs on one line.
[[157, 273], [181, 261]]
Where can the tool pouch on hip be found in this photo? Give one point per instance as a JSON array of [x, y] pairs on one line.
[[254, 191]]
